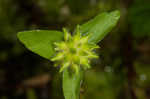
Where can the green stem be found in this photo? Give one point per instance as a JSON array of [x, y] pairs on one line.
[[71, 84]]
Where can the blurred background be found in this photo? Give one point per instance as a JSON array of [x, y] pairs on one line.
[[122, 72]]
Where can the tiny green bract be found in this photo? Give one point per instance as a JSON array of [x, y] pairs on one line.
[[74, 52]]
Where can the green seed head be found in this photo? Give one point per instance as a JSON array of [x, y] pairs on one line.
[[74, 52]]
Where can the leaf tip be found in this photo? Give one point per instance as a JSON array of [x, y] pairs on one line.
[[116, 14], [18, 34]]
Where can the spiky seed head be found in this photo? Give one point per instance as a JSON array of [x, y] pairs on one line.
[[74, 52]]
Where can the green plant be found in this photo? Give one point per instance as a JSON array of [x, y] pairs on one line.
[[73, 53]]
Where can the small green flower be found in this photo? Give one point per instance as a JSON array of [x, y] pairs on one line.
[[74, 52]]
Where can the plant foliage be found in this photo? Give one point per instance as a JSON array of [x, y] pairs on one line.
[[42, 43]]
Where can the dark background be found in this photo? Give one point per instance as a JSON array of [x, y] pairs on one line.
[[122, 72]]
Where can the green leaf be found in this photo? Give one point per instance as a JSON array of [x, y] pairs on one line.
[[40, 41], [71, 84], [100, 26]]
